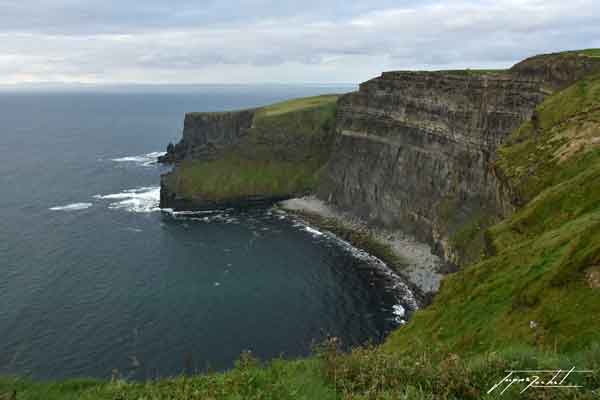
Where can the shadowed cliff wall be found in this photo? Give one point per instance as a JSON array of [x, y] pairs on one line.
[[415, 150]]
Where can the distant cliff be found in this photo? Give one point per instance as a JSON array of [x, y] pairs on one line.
[[249, 157], [204, 134], [412, 151], [415, 150]]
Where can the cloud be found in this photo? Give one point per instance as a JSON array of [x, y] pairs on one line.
[[262, 41]]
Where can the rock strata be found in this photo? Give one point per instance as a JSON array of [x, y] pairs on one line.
[[415, 150], [206, 134]]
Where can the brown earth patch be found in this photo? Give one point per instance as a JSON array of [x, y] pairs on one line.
[[582, 138], [593, 277]]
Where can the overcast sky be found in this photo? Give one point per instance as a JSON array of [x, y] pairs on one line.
[[257, 41]]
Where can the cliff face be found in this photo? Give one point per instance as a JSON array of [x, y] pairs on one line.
[[557, 71], [537, 286], [249, 157], [415, 150], [205, 134]]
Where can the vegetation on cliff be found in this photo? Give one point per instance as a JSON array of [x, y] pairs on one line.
[[365, 373], [537, 285], [532, 302], [281, 155]]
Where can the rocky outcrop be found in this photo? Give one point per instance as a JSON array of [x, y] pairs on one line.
[[251, 157], [556, 71], [171, 200], [415, 150], [206, 134]]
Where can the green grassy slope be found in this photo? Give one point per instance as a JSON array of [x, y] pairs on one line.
[[280, 380], [545, 256], [282, 155], [304, 103], [365, 373]]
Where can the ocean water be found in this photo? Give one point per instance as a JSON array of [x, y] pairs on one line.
[[94, 277]]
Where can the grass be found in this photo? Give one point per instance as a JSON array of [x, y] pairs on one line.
[[282, 155], [530, 160], [298, 105], [474, 72], [235, 177], [540, 255], [590, 52], [364, 373], [276, 380]]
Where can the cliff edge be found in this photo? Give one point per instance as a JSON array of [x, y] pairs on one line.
[[415, 150], [410, 151], [249, 157]]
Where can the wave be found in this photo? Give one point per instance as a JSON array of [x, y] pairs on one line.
[[140, 200], [399, 313], [404, 296], [145, 160], [227, 216], [72, 207], [313, 231]]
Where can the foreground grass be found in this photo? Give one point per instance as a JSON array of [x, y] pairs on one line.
[[364, 373], [248, 380]]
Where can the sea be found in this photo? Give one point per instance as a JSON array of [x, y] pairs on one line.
[[96, 280]]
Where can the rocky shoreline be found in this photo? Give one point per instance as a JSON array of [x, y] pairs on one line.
[[407, 257]]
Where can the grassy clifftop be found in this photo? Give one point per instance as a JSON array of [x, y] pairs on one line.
[[281, 155], [540, 283]]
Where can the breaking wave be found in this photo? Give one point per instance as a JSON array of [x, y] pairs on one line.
[[72, 207], [140, 200], [405, 297], [145, 160]]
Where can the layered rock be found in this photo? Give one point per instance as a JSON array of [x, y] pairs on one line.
[[415, 150], [249, 157], [556, 71], [206, 134]]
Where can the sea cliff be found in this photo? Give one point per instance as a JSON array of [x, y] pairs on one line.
[[533, 300], [415, 150], [204, 134], [249, 157], [409, 151]]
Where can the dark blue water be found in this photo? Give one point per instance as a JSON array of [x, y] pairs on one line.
[[93, 277]]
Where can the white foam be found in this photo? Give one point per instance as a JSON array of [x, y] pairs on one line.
[[313, 231], [72, 207], [188, 213], [393, 280], [140, 200], [206, 216], [398, 311], [145, 160]]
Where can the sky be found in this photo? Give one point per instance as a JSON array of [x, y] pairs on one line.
[[277, 41]]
